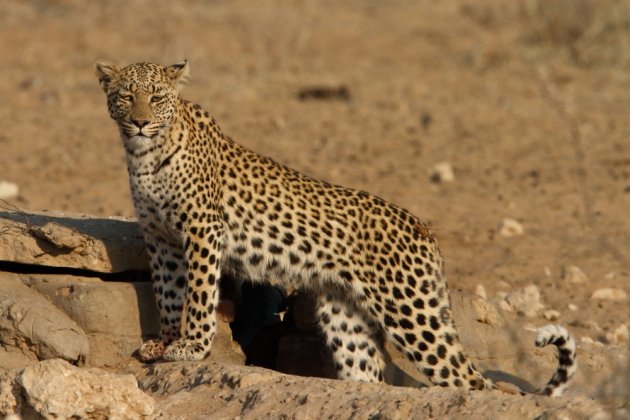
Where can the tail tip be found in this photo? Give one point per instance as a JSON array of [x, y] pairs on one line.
[[552, 334]]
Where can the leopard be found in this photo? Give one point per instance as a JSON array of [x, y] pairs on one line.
[[209, 206]]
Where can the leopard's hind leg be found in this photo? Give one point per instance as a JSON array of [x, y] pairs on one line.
[[354, 339]]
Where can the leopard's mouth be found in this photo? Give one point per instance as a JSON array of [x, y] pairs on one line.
[[140, 134], [147, 133]]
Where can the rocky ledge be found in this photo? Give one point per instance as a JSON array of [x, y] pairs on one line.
[[75, 304]]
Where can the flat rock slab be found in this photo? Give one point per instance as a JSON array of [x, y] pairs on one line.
[[55, 239], [191, 390], [101, 307]]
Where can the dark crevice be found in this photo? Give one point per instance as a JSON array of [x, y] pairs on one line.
[[130, 276]]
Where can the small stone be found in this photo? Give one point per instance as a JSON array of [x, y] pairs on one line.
[[609, 293], [279, 122], [573, 274], [510, 227], [442, 172], [481, 291], [610, 276], [551, 314], [619, 335], [525, 301], [8, 190], [572, 307], [502, 284], [587, 340], [508, 388]]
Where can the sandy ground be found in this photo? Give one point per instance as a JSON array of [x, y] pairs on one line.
[[528, 104]]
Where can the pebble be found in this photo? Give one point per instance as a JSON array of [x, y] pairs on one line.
[[572, 307], [8, 190], [619, 335], [587, 340], [551, 314], [526, 301], [609, 293], [481, 291], [573, 274], [442, 172], [510, 227]]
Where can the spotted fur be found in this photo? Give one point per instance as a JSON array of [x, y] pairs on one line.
[[207, 205]]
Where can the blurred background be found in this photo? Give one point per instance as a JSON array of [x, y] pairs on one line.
[[465, 112]]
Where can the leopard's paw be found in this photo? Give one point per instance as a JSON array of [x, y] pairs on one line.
[[151, 350], [185, 350]]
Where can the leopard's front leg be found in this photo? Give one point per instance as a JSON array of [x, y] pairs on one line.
[[202, 247], [168, 274]]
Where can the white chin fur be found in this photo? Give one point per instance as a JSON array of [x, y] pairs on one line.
[[136, 143]]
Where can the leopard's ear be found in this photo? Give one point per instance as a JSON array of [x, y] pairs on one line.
[[178, 73], [106, 72]]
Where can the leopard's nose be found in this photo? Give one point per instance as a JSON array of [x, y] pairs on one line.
[[139, 122]]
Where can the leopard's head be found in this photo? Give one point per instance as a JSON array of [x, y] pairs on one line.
[[142, 98]]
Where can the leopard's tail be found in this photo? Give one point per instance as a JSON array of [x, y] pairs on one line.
[[567, 359]]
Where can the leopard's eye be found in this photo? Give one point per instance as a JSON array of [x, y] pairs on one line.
[[156, 98], [127, 98]]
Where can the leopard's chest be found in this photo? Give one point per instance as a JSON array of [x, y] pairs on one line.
[[157, 203]]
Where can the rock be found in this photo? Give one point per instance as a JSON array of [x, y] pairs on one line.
[[117, 316], [609, 293], [16, 358], [72, 241], [612, 276], [203, 390], [9, 394], [573, 275], [525, 301], [33, 326], [619, 335], [551, 314], [482, 329], [442, 172], [510, 227], [224, 348], [8, 190], [56, 389], [102, 307], [481, 291], [572, 307]]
